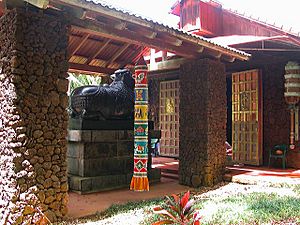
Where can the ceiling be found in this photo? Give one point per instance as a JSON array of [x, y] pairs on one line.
[[103, 38]]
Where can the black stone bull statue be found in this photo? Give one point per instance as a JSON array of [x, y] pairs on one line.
[[114, 101]]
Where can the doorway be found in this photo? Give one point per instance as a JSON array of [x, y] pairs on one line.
[[247, 117], [169, 118]]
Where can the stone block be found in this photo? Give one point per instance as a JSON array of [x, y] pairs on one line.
[[104, 135], [75, 149], [79, 135], [73, 166], [101, 150], [126, 135], [125, 148], [86, 185]]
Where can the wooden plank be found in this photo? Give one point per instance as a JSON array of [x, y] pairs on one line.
[[171, 64], [118, 53], [79, 45], [98, 52], [116, 14], [42, 4], [130, 37], [73, 67]]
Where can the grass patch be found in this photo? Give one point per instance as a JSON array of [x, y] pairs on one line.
[[296, 189], [254, 208]]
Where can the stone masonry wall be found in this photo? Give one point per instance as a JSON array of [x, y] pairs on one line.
[[276, 119], [276, 115], [202, 123], [33, 119]]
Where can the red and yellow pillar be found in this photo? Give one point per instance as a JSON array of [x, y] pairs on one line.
[[139, 180]]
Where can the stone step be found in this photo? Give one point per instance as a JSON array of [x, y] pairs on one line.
[[168, 170], [170, 175]]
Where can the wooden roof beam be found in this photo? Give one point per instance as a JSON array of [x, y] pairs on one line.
[[148, 33], [228, 58], [120, 25], [117, 54], [213, 53], [172, 40], [74, 67], [129, 37], [200, 49], [10, 4], [81, 42], [97, 52], [115, 14]]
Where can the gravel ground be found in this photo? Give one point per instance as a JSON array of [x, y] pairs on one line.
[[222, 190]]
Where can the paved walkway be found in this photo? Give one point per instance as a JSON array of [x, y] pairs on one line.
[[254, 175], [83, 205]]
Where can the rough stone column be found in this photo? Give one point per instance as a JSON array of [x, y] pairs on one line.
[[202, 123], [33, 119]]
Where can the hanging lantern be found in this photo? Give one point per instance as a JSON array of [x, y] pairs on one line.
[[139, 180], [292, 97], [292, 83]]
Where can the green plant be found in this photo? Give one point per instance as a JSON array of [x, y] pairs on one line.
[[177, 211], [77, 80]]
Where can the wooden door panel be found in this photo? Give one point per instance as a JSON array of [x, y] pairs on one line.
[[247, 117], [169, 118]]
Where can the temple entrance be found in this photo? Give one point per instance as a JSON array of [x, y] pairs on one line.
[[247, 117], [169, 118]]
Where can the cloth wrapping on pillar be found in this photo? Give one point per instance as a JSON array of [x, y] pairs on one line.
[[139, 180]]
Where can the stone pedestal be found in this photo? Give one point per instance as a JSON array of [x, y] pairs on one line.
[[101, 160], [33, 119], [202, 151]]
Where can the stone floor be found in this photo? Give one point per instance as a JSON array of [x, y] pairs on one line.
[[83, 205]]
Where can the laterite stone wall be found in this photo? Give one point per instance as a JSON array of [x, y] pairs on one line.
[[33, 117], [276, 119], [202, 123], [276, 116]]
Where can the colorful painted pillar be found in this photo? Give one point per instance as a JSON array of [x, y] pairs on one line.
[[139, 180]]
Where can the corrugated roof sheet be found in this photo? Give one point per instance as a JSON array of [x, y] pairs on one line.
[[104, 4], [242, 39]]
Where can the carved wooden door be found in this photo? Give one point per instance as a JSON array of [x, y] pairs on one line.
[[169, 118], [247, 117]]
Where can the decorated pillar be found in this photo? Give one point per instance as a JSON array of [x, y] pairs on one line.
[[139, 180]]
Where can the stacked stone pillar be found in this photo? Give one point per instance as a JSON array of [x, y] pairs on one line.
[[202, 123], [33, 117]]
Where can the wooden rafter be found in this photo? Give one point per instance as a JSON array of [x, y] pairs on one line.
[[114, 14], [74, 67], [97, 52], [129, 37], [78, 46], [118, 53], [142, 52]]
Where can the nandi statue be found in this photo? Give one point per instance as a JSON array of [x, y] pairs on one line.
[[103, 102]]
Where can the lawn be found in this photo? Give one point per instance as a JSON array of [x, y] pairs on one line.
[[228, 203]]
